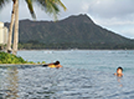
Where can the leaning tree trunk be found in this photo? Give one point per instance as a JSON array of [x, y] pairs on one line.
[[9, 43], [16, 28]]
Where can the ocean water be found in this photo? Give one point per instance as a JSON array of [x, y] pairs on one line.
[[86, 74]]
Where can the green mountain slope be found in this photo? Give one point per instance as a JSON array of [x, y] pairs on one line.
[[72, 32]]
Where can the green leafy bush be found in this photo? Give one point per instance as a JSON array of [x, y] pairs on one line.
[[6, 58]]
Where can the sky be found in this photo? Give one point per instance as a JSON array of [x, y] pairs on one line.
[[114, 15]]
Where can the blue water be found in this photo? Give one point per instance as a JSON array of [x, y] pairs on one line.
[[106, 60], [86, 74]]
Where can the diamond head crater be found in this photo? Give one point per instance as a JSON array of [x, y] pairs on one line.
[[74, 32]]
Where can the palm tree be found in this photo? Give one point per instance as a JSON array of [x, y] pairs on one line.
[[50, 6], [16, 28], [13, 17], [2, 3]]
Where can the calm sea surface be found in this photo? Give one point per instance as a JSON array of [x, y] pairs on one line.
[[86, 74]]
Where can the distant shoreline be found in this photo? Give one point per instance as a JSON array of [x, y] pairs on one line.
[[67, 49]]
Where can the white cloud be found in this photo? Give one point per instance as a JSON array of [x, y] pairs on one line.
[[112, 8], [114, 22], [85, 7], [116, 15]]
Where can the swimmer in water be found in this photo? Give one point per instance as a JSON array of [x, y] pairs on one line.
[[119, 72], [53, 65]]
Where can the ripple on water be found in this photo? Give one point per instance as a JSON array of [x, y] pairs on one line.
[[44, 83]]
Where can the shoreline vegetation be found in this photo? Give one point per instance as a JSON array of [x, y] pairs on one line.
[[6, 59], [64, 46]]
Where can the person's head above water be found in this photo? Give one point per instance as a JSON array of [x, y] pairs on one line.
[[119, 71], [56, 63]]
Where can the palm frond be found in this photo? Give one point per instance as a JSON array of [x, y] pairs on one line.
[[51, 6], [30, 6], [61, 4], [3, 3]]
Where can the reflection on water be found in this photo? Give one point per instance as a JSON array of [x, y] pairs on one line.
[[119, 80], [12, 83]]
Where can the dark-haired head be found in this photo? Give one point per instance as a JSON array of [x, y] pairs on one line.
[[120, 68], [56, 63]]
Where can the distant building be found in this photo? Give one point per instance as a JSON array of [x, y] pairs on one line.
[[3, 34]]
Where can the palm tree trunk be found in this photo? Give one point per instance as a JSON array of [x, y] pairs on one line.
[[11, 28], [16, 28]]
